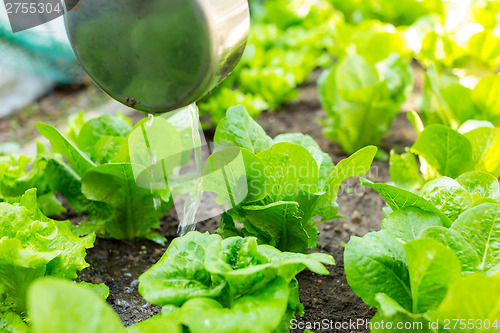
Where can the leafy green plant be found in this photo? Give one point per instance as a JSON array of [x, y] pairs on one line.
[[361, 99], [432, 246], [467, 45], [86, 312], [32, 246], [17, 176], [372, 39], [443, 151], [204, 283], [290, 182], [231, 275], [100, 180], [447, 102]]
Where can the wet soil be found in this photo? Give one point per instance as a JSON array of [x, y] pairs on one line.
[[118, 264]]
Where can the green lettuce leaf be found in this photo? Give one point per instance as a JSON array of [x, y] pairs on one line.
[[10, 322], [33, 246], [433, 268], [485, 145], [180, 274], [61, 145], [239, 129], [446, 151], [472, 298], [481, 227], [390, 311], [397, 198], [407, 223], [448, 196], [266, 308], [404, 170], [92, 133], [83, 311], [134, 212], [480, 185], [16, 177], [377, 264], [361, 99], [246, 266]]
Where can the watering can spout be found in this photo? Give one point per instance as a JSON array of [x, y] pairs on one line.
[[157, 56]]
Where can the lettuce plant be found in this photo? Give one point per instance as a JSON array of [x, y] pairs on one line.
[[361, 99], [205, 284], [290, 182], [432, 247], [373, 40], [467, 45], [32, 246], [98, 179], [215, 278], [17, 176], [86, 312], [446, 101], [446, 152]]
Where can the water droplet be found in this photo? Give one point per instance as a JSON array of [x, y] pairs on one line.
[[156, 202], [153, 158], [151, 118]]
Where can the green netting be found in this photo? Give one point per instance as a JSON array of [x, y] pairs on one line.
[[37, 54]]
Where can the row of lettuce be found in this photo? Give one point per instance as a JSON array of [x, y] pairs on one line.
[[435, 264]]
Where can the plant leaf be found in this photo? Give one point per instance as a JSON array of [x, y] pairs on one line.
[[446, 150], [408, 223], [60, 144], [433, 267], [84, 311], [239, 129], [377, 264], [481, 227]]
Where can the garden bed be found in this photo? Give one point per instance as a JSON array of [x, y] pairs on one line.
[[118, 264]]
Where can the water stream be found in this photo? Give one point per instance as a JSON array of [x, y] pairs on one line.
[[156, 198], [193, 199]]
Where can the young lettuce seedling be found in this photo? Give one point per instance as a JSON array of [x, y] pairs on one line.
[[100, 180], [361, 99], [202, 280], [17, 176], [290, 182], [443, 151]]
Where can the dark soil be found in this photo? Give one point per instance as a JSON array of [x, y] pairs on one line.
[[118, 264]]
